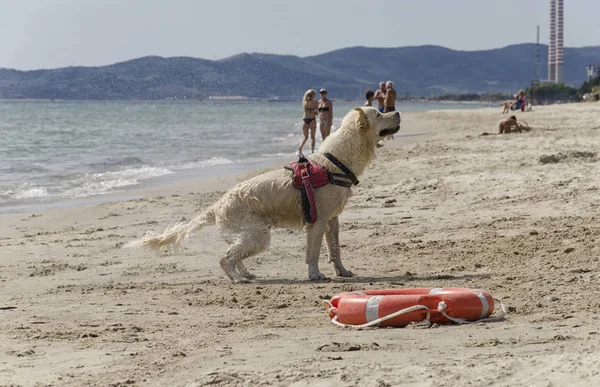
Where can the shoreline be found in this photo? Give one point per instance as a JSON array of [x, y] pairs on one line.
[[123, 163], [224, 172], [208, 175], [225, 100]]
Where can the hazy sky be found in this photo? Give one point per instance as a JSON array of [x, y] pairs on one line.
[[56, 33]]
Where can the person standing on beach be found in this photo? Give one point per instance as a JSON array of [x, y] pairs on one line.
[[390, 101], [310, 119], [390, 97], [380, 96], [325, 107], [520, 104], [369, 96]]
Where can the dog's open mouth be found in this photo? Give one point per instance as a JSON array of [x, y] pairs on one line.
[[389, 132]]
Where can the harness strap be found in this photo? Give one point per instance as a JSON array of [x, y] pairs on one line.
[[309, 206], [340, 179], [308, 175], [348, 173]]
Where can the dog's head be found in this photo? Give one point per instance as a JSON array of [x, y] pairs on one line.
[[355, 142], [376, 124]]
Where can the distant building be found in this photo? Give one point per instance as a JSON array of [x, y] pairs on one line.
[[593, 71], [556, 56]]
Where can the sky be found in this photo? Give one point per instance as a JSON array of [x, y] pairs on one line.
[[38, 34]]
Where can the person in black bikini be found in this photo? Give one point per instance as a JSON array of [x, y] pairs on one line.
[[310, 113], [325, 107]]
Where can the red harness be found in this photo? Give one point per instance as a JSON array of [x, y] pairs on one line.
[[308, 175]]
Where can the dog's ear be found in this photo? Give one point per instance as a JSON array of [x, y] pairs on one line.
[[363, 121]]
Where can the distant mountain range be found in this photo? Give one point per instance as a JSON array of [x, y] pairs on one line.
[[346, 73]]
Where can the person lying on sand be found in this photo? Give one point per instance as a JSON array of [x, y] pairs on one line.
[[507, 125]]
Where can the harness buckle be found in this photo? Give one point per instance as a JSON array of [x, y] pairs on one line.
[[303, 169]]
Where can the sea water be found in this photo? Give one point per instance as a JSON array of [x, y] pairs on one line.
[[51, 151]]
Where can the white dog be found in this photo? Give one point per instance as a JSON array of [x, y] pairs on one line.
[[246, 213]]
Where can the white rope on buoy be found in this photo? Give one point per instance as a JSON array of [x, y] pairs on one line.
[[442, 307], [374, 322]]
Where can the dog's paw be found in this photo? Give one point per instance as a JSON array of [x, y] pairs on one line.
[[345, 273], [318, 277]]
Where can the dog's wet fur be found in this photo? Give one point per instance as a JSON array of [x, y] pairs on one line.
[[247, 212]]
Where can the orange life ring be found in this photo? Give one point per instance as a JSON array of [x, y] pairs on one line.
[[437, 305]]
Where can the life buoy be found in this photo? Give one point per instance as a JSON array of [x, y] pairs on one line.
[[399, 307]]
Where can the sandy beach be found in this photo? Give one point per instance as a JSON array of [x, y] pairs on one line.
[[517, 215]]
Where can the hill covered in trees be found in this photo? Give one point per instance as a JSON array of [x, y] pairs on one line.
[[347, 73]]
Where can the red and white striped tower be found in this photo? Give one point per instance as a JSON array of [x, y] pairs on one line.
[[560, 51], [552, 43]]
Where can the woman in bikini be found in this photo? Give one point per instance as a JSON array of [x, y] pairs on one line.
[[325, 107], [310, 122]]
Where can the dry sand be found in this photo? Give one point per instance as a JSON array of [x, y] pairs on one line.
[[446, 207]]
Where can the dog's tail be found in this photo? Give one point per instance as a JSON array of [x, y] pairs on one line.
[[174, 235]]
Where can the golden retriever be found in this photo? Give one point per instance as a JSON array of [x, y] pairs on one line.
[[246, 213]]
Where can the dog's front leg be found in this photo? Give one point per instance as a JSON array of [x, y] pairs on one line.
[[332, 238], [314, 239]]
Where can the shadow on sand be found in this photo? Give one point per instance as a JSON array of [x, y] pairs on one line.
[[398, 280]]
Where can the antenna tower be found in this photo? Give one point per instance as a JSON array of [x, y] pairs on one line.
[[537, 55]]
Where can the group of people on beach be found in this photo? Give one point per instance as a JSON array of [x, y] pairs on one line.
[[517, 104], [385, 96], [386, 102], [510, 124]]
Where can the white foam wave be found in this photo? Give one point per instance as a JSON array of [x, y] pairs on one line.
[[287, 138], [278, 155], [204, 163], [100, 183], [89, 184], [26, 191]]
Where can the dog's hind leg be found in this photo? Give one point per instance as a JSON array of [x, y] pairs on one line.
[[314, 238], [247, 242], [332, 238]]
